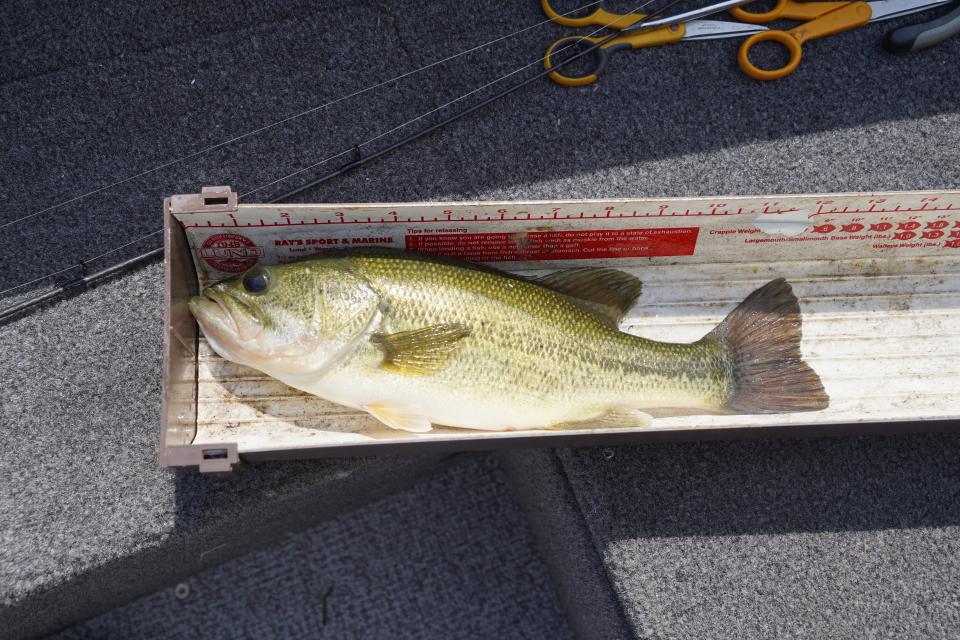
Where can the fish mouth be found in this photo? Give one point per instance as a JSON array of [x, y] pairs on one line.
[[218, 310], [223, 312], [213, 315]]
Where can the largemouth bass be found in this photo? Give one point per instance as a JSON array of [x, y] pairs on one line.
[[418, 341]]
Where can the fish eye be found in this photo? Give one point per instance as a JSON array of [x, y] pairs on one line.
[[256, 281]]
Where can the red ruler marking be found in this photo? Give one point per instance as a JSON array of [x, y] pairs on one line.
[[845, 211], [261, 223], [524, 216]]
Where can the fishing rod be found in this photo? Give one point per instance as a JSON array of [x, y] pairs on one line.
[[289, 118], [83, 282]]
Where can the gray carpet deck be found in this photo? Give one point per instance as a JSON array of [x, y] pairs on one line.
[[92, 94], [451, 557], [824, 538], [89, 518]]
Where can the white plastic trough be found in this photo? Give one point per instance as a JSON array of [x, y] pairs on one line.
[[877, 275]]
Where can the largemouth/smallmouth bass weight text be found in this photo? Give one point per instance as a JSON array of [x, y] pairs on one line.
[[418, 341]]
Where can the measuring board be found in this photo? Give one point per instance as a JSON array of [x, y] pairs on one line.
[[877, 275]]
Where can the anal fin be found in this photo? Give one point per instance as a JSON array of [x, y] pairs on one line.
[[399, 418], [617, 419]]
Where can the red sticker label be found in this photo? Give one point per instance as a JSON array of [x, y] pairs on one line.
[[558, 245], [230, 252]]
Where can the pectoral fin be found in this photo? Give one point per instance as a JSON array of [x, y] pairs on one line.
[[399, 418], [620, 419], [422, 351]]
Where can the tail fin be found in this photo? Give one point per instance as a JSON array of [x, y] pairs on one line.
[[762, 335]]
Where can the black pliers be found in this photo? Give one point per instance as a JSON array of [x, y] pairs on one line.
[[926, 34]]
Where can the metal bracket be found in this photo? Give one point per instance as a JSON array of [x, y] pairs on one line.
[[210, 199], [216, 457]]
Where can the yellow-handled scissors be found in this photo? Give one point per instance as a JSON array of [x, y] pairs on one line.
[[650, 33], [823, 19]]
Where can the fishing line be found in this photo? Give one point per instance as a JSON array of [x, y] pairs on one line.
[[457, 116], [283, 121], [365, 142], [89, 260], [86, 280], [82, 282], [416, 119], [385, 133]]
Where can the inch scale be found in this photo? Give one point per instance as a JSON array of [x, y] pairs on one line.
[[227, 240], [854, 204]]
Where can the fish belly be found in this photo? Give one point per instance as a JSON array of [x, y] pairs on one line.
[[454, 405], [505, 394]]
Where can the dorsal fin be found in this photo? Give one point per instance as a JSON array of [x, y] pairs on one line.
[[608, 292]]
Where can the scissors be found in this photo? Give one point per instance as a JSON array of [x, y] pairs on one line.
[[823, 19], [648, 34]]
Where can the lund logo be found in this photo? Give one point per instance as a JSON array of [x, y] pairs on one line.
[[230, 252]]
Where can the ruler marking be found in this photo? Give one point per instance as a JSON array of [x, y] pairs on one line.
[[898, 209], [664, 211]]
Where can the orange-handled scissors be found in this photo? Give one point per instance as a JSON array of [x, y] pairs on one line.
[[649, 34], [823, 19], [600, 17]]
